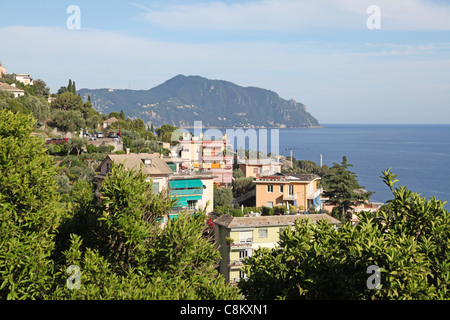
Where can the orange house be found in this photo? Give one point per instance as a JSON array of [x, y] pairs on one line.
[[299, 190]]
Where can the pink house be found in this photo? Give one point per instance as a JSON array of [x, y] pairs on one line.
[[208, 156]]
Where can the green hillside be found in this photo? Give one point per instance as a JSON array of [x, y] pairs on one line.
[[184, 99]]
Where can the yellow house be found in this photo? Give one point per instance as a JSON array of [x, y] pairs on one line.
[[299, 190], [257, 167], [238, 237]]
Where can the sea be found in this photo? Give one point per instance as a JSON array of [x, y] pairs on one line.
[[418, 154]]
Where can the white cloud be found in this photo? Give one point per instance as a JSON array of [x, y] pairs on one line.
[[389, 78], [298, 16]]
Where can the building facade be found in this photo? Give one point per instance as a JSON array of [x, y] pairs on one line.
[[24, 78], [299, 190], [257, 167], [152, 165], [193, 192], [2, 70], [12, 89], [238, 237], [208, 156]]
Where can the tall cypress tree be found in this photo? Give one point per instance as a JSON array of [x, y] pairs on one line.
[[74, 88], [69, 86]]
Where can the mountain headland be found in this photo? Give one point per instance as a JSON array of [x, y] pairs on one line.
[[182, 100]]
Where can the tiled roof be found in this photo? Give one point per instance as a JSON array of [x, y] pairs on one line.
[[7, 87], [111, 120], [288, 177], [284, 220], [134, 161]]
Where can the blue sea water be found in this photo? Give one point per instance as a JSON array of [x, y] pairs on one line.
[[418, 154]]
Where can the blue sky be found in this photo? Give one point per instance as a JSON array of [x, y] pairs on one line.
[[318, 52]]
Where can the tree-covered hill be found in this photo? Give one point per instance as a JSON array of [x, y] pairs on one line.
[[184, 99]]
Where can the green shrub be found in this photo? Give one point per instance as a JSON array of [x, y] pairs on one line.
[[266, 211]]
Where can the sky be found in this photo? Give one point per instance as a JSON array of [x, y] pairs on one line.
[[348, 61]]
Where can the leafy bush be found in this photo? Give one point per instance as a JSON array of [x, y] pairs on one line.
[[267, 211], [280, 210]]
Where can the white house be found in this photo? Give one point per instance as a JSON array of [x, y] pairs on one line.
[[24, 78], [12, 89]]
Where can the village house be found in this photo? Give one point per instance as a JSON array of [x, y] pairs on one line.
[[208, 156], [12, 89], [352, 213], [257, 167], [109, 122], [238, 237], [2, 70], [299, 190], [192, 192], [152, 165], [24, 78]]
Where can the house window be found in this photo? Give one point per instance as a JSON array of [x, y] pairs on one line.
[[270, 188], [242, 275], [270, 204], [192, 204], [281, 189], [262, 233], [243, 254], [291, 190], [246, 236]]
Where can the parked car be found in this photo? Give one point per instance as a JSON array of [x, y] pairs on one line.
[[99, 135], [56, 140], [90, 136]]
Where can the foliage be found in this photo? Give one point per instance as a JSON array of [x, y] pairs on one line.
[[29, 210], [67, 101], [343, 189], [128, 256], [408, 240], [243, 185], [279, 210], [267, 211], [67, 120], [164, 133], [222, 196]]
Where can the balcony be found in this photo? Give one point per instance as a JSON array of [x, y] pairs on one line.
[[290, 197], [234, 264], [186, 192], [243, 244], [315, 194]]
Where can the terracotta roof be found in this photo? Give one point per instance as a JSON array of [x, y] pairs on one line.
[[111, 120], [133, 161], [284, 220], [7, 87], [288, 177]]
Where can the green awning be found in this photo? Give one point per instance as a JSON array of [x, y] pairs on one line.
[[190, 198], [185, 184], [181, 202]]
